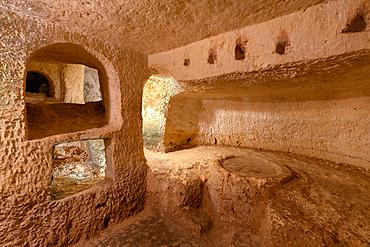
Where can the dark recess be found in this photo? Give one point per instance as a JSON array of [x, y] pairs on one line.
[[239, 51], [358, 24], [106, 221], [37, 83], [280, 47], [212, 57]]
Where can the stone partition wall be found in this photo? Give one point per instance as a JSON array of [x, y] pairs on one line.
[[181, 130], [27, 216]]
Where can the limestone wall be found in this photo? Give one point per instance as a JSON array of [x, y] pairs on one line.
[[27, 216], [322, 115], [70, 83], [334, 129], [313, 33], [73, 79], [52, 73], [156, 96], [92, 91], [310, 97]]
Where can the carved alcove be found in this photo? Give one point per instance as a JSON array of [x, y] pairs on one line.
[[71, 101], [65, 107]]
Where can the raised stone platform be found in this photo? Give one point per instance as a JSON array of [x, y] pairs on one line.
[[223, 196], [242, 197]]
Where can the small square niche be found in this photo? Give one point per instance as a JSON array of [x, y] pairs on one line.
[[77, 166]]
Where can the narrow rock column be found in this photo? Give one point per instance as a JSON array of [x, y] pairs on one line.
[[73, 80]]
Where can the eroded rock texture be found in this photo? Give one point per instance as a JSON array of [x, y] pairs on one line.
[[91, 91], [76, 166], [242, 197], [157, 26], [27, 216], [156, 96], [313, 33], [285, 76], [317, 108]]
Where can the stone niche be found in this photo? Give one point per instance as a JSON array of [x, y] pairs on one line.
[[74, 98], [67, 83], [28, 131]]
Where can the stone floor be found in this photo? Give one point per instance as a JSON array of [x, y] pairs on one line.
[[142, 230], [224, 196]]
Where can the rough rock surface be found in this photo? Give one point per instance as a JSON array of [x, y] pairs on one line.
[[74, 92], [311, 99], [27, 216], [52, 73], [76, 166], [91, 85], [142, 230], [52, 119], [157, 93], [319, 108], [261, 199], [313, 33], [69, 83], [156, 26]]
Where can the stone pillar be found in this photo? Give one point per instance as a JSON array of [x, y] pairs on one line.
[[72, 78]]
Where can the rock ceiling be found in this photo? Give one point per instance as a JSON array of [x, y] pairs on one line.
[[153, 26]]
